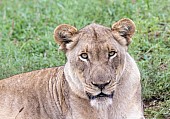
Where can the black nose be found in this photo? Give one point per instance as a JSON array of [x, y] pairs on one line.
[[101, 86]]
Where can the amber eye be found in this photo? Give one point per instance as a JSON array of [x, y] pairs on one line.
[[112, 54], [84, 55]]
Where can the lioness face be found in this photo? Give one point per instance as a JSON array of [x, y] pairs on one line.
[[95, 58], [96, 61]]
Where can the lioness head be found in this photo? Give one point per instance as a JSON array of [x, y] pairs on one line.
[[96, 58]]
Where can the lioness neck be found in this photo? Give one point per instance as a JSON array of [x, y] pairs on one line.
[[81, 109]]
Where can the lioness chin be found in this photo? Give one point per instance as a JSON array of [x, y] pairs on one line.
[[100, 80]]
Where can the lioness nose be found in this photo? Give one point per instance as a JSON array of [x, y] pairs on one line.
[[101, 86]]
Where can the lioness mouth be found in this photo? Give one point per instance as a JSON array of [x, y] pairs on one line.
[[91, 97]]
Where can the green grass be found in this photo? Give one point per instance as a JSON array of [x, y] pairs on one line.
[[26, 39]]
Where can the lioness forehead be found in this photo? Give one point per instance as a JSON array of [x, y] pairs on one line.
[[95, 36], [96, 33]]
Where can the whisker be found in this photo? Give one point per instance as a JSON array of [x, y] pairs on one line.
[[112, 86]]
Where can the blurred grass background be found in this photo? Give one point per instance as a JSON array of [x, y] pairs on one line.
[[26, 39]]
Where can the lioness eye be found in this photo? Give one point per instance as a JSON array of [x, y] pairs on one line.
[[84, 55], [112, 54]]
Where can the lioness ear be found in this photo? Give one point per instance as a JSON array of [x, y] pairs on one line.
[[125, 28], [63, 34]]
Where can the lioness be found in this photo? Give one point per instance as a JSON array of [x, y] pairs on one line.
[[100, 80]]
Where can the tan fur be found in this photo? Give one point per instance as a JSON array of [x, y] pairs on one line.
[[96, 55]]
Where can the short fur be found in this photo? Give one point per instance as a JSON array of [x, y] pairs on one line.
[[96, 56]]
